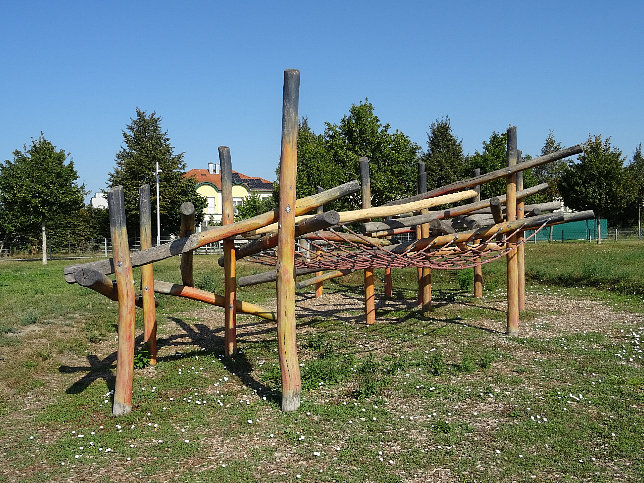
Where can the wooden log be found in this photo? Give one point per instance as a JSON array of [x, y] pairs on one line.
[[392, 232], [384, 211], [369, 289], [489, 231], [348, 237], [324, 276], [426, 272], [492, 175], [168, 288], [125, 289], [268, 276], [187, 210], [183, 245], [230, 263], [478, 269], [147, 276], [101, 283], [372, 227], [511, 214], [287, 349], [308, 225], [520, 245], [495, 208], [319, 286], [531, 209]]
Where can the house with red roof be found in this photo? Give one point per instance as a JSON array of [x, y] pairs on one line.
[[209, 186]]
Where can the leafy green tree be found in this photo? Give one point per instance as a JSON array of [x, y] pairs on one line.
[[551, 173], [634, 180], [40, 186], [444, 159], [144, 144], [332, 158], [596, 181], [253, 205], [491, 158]]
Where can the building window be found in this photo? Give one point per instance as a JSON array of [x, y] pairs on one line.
[[236, 203], [211, 205]]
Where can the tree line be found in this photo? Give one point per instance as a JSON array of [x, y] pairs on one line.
[[39, 187]]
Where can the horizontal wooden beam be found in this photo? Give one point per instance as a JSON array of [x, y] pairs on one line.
[[321, 278], [104, 285]]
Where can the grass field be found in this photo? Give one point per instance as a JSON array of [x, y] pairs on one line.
[[437, 397]]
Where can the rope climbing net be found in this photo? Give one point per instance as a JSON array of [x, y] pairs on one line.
[[343, 249]]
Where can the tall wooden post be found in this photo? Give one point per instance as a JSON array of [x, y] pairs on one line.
[[125, 287], [520, 239], [147, 275], [286, 324], [426, 272], [319, 286], [511, 214], [187, 210], [228, 217], [369, 291], [478, 269]]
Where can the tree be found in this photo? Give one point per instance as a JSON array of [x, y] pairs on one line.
[[634, 178], [444, 159], [332, 158], [144, 145], [253, 205], [595, 181], [39, 188], [551, 172], [492, 157]]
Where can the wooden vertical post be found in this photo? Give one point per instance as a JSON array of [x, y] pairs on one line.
[[511, 214], [228, 217], [125, 289], [187, 210], [419, 231], [426, 272], [147, 275], [369, 292], [319, 286], [286, 324], [520, 239], [478, 269]]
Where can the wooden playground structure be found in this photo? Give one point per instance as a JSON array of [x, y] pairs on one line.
[[327, 244]]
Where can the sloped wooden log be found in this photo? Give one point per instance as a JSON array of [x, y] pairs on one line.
[[315, 223], [323, 277], [147, 275], [169, 288], [488, 231], [392, 232], [183, 245], [349, 237], [443, 214], [384, 211], [187, 210], [125, 290], [492, 175], [268, 276], [104, 285], [531, 209]]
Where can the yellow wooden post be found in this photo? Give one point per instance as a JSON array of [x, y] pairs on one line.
[[147, 276], [369, 291], [478, 269], [511, 214], [227, 218], [426, 272], [125, 287], [319, 286], [286, 324], [520, 238]]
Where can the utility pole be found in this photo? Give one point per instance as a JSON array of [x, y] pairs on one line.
[[158, 211]]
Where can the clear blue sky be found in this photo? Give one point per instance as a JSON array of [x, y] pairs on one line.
[[214, 70]]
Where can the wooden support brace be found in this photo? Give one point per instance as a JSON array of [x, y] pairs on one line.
[[147, 276], [125, 287]]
